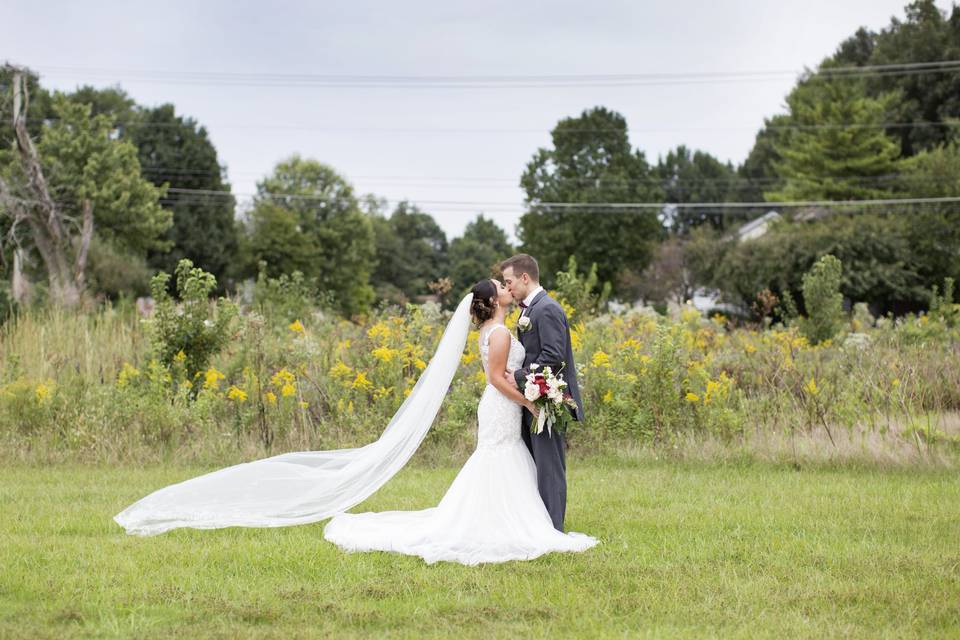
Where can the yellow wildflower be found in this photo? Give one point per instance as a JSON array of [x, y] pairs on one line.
[[282, 377], [236, 393], [379, 331], [43, 390], [271, 397], [384, 354], [382, 392], [407, 391], [340, 371], [576, 335], [127, 373], [468, 358], [811, 387], [343, 344], [689, 313], [361, 382], [895, 382], [601, 359], [608, 396], [350, 407], [692, 397], [420, 364], [287, 390], [180, 357], [212, 379], [304, 405], [296, 326]]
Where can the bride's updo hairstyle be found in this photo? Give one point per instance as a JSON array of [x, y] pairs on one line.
[[484, 301]]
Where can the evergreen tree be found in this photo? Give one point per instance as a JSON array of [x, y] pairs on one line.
[[841, 154]]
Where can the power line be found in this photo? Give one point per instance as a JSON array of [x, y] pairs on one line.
[[540, 130], [611, 205], [502, 183], [344, 81]]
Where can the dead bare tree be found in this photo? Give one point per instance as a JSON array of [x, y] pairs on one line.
[[64, 256]]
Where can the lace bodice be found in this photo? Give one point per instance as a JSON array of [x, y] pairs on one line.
[[514, 358]]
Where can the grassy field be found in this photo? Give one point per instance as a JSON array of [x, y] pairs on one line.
[[688, 550]]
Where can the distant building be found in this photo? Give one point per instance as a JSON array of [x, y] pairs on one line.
[[709, 299], [756, 227]]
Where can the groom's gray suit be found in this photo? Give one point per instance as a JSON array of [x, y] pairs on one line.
[[547, 343]]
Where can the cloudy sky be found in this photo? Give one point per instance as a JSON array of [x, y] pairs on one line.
[[455, 150]]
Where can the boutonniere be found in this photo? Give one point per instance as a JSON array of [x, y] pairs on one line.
[[523, 323]]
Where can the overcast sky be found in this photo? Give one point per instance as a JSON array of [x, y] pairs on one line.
[[430, 145]]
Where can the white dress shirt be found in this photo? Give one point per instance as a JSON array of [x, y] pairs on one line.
[[533, 294]]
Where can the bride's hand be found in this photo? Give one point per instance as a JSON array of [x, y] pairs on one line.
[[532, 408]]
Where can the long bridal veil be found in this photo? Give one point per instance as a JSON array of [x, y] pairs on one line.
[[306, 486]]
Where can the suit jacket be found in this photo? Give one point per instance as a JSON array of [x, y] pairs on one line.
[[547, 343]]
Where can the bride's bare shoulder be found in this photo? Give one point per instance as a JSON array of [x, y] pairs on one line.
[[492, 337]]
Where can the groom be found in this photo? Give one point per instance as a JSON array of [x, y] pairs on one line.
[[545, 335]]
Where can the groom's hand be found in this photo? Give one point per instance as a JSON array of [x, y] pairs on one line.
[[508, 374]]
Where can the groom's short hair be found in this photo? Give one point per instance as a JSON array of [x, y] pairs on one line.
[[522, 263]]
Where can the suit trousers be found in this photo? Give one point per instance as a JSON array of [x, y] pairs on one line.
[[549, 453]]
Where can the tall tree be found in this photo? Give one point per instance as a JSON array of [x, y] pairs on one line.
[[305, 216], [76, 177], [475, 254], [838, 152], [176, 151], [697, 176], [411, 252], [926, 34], [933, 231], [591, 162]]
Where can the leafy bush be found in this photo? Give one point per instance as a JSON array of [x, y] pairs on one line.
[[578, 291], [192, 332], [823, 300]]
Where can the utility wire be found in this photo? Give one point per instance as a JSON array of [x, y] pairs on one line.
[[296, 80]]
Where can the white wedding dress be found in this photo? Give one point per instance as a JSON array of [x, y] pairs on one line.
[[491, 513]]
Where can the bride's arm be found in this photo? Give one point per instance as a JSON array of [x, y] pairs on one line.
[[499, 342]]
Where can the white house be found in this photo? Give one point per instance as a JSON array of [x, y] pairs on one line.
[[706, 299]]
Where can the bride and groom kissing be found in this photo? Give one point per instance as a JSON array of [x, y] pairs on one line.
[[508, 501]]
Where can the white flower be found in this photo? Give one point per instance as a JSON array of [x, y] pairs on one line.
[[534, 366], [523, 322], [555, 394], [208, 323], [531, 392]]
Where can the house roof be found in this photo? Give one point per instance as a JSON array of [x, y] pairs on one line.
[[757, 223]]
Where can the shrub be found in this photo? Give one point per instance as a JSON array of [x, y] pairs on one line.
[[823, 300]]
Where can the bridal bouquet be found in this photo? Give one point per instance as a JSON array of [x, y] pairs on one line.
[[547, 391]]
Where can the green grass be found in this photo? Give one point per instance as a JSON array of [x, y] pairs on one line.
[[688, 550]]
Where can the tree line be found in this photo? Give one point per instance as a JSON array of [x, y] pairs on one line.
[[150, 184]]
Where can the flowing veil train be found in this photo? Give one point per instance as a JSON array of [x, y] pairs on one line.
[[307, 486]]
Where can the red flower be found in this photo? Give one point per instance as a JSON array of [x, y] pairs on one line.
[[541, 382]]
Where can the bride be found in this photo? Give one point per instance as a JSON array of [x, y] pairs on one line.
[[491, 513]]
